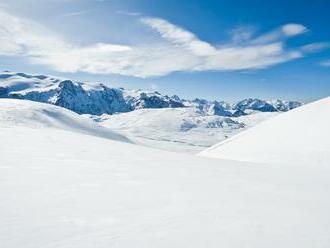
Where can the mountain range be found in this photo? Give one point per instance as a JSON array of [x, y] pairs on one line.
[[98, 99]]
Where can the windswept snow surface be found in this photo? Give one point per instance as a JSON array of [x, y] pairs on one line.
[[62, 188], [179, 129], [300, 136]]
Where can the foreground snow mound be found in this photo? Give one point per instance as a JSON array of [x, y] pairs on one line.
[[178, 129], [61, 189], [300, 136], [23, 113]]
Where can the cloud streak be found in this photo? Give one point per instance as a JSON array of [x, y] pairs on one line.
[[176, 49], [179, 37], [77, 13], [128, 13], [315, 47]]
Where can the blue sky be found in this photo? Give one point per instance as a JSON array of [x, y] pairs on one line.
[[224, 50]]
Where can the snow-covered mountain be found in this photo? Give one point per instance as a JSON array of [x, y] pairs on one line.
[[63, 187], [82, 98], [265, 106], [301, 135], [98, 99], [243, 107], [138, 99]]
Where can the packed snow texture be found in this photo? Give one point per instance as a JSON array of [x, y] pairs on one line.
[[300, 136], [65, 188]]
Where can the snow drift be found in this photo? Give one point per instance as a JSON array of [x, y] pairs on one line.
[[300, 136]]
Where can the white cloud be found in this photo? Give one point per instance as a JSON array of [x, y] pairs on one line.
[[250, 57], [281, 33], [293, 29], [176, 50]]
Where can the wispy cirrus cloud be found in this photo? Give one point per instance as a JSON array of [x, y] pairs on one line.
[[242, 33], [315, 47], [176, 49], [282, 33], [179, 37], [120, 12], [230, 56], [77, 13]]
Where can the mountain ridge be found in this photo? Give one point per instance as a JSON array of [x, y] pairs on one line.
[[98, 99]]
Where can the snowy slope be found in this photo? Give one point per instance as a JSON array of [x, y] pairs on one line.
[[60, 188], [300, 136], [178, 129], [22, 113]]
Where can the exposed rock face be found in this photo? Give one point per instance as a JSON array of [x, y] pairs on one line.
[[93, 101]]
